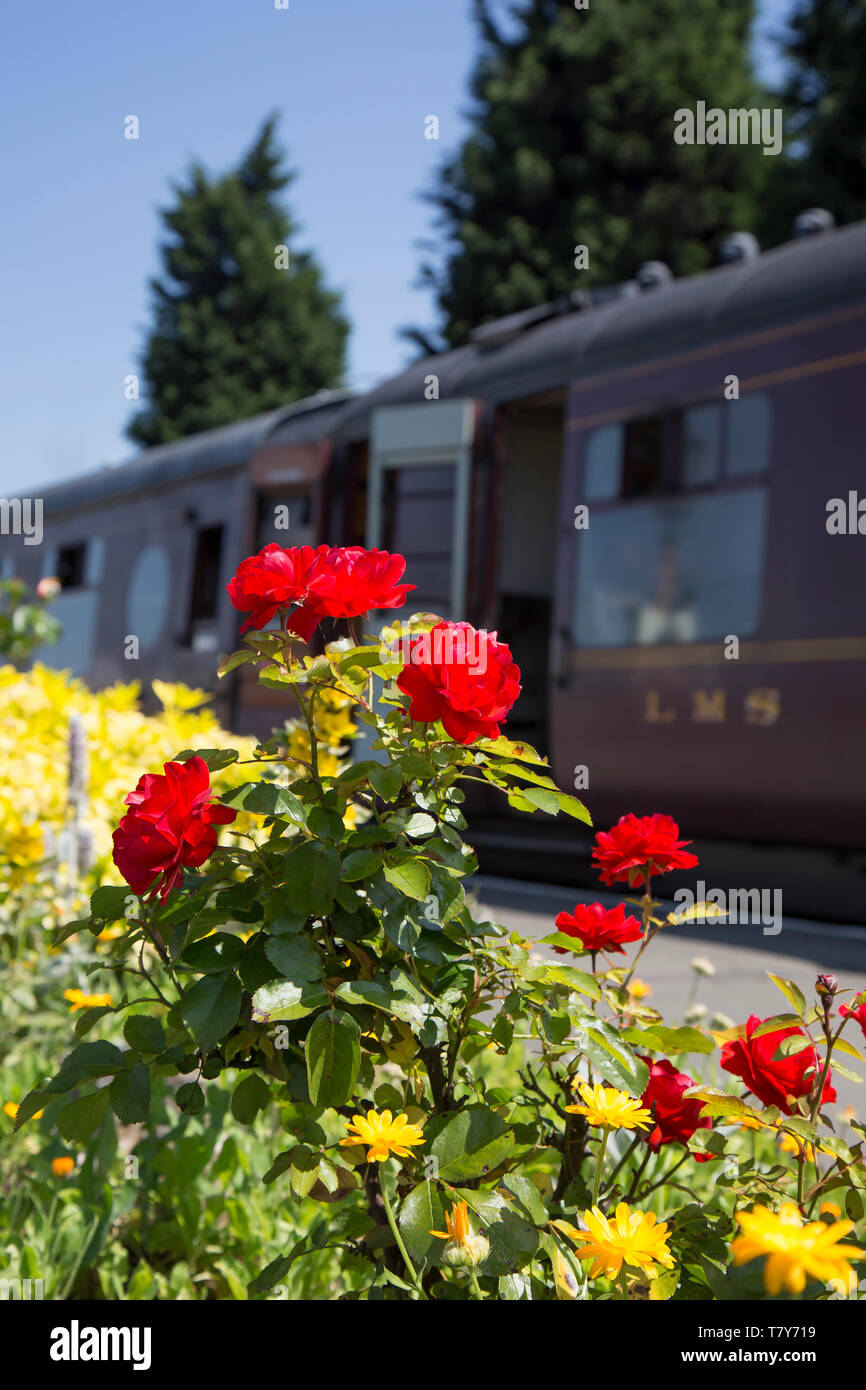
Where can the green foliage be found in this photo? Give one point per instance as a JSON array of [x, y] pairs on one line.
[[572, 144], [233, 332], [25, 623], [318, 1036]]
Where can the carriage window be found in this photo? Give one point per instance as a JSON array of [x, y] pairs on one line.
[[205, 589], [748, 443], [700, 456], [602, 469], [683, 569], [71, 562], [644, 450]]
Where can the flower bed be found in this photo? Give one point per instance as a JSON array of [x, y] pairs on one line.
[[455, 1117]]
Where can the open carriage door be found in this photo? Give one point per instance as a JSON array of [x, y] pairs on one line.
[[418, 498]]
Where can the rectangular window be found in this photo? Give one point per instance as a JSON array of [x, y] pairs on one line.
[[205, 589], [683, 569], [71, 565], [418, 522]]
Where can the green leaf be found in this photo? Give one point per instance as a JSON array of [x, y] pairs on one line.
[[90, 1059], [190, 1098], [605, 1048], [387, 780], [468, 1143], [411, 877], [792, 992], [573, 978], [333, 1053], [107, 904], [421, 1213], [284, 1000], [129, 1093], [267, 799], [572, 807], [236, 659], [144, 1034], [655, 1038], [528, 1198], [542, 798], [249, 1097], [216, 758], [361, 863], [295, 957], [79, 1118], [312, 878], [211, 1008]]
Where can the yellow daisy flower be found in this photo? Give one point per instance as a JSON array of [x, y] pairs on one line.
[[638, 989], [830, 1209], [630, 1237], [794, 1252], [79, 1000], [605, 1105], [385, 1134], [62, 1167]]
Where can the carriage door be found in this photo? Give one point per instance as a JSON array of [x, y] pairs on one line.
[[418, 498]]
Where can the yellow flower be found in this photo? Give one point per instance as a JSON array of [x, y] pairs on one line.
[[464, 1246], [631, 1237], [79, 1000], [604, 1105], [789, 1145], [385, 1134], [110, 933], [638, 989], [830, 1209], [794, 1251], [62, 1167], [11, 1109]]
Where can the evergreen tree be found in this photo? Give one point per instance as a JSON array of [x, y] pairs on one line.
[[826, 97], [572, 144], [234, 333]]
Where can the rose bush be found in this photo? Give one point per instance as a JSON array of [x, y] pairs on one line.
[[454, 1115]]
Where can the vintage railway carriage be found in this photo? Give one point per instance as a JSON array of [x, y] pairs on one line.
[[144, 550], [635, 492]]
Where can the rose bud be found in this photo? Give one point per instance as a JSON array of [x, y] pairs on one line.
[[827, 985]]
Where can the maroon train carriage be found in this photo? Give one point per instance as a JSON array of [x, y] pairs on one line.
[[635, 492]]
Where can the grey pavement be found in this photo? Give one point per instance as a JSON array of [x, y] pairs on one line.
[[742, 956]]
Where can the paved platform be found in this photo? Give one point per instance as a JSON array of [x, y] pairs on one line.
[[742, 956]]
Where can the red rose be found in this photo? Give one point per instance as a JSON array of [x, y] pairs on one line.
[[638, 846], [859, 1013], [774, 1081], [598, 929], [328, 582], [676, 1119], [462, 677], [171, 824], [348, 582], [275, 578]]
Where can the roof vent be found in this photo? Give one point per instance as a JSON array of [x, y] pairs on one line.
[[652, 275], [739, 247], [812, 222]]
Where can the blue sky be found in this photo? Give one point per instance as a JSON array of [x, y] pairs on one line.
[[353, 79]]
